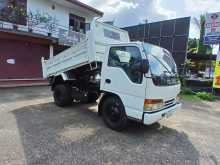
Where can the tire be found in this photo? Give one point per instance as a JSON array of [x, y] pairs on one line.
[[92, 97], [63, 95], [113, 114]]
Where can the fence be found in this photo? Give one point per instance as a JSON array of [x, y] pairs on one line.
[[64, 35]]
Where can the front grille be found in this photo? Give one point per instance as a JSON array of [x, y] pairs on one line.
[[169, 102]]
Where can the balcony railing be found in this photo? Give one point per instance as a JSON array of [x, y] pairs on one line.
[[63, 34]]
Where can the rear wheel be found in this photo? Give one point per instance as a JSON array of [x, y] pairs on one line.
[[113, 114], [63, 95]]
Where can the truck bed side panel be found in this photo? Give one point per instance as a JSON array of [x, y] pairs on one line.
[[90, 50], [68, 59]]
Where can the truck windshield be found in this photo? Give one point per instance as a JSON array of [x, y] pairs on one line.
[[162, 65]]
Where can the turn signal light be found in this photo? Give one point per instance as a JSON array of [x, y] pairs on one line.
[[153, 104]]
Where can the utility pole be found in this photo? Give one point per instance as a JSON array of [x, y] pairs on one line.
[[145, 24]]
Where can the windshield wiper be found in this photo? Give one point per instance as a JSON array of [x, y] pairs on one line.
[[167, 70]]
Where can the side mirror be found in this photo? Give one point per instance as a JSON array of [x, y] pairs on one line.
[[145, 66], [141, 66]]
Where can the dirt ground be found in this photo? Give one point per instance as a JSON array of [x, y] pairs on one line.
[[33, 131]]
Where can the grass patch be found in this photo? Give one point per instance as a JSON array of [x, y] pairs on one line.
[[187, 94], [206, 96], [187, 91], [189, 97]]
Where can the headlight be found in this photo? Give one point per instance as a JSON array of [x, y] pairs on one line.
[[153, 104]]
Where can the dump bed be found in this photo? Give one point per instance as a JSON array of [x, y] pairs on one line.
[[91, 49]]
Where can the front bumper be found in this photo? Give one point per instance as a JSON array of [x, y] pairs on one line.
[[150, 118]]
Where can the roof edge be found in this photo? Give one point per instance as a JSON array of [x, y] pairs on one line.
[[83, 5]]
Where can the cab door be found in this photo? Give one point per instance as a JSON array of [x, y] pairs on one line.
[[119, 77]]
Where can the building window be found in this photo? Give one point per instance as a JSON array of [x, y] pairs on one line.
[[77, 23]]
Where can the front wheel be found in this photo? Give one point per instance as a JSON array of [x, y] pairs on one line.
[[63, 95], [113, 114]]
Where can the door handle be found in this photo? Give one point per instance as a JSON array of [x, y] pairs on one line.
[[108, 81]]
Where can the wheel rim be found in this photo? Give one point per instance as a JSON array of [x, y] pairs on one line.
[[57, 95], [114, 113]]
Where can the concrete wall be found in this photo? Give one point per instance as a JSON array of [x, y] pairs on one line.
[[61, 13], [44, 6]]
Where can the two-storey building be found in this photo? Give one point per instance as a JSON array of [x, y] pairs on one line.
[[31, 29]]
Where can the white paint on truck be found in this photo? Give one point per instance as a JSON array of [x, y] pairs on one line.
[[140, 77], [89, 50]]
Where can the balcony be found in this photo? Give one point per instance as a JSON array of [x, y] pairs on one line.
[[57, 33]]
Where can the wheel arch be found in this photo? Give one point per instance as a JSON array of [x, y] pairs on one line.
[[103, 98], [55, 80]]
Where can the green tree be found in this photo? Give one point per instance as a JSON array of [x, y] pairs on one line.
[[203, 49], [193, 45]]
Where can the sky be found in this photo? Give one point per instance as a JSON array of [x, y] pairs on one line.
[[132, 12]]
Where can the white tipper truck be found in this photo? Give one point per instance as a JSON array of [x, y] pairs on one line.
[[133, 80]]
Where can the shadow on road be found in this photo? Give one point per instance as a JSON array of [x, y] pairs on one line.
[[76, 135]]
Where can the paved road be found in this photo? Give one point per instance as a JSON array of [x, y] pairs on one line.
[[33, 131]]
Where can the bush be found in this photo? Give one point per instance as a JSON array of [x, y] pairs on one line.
[[182, 81], [187, 91], [206, 96], [188, 94]]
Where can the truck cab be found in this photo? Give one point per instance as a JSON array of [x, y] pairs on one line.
[[142, 78], [133, 80]]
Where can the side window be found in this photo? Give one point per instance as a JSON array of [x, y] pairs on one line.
[[126, 58]]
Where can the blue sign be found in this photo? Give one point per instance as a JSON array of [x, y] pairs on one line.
[[208, 40]]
